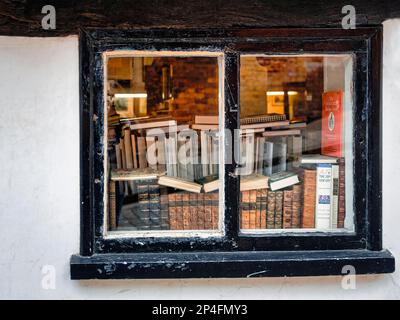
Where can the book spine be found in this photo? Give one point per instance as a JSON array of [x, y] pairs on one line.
[[278, 209], [154, 206], [335, 196], [253, 208], [194, 225], [258, 208], [179, 210], [245, 212], [309, 195], [323, 206], [173, 221], [186, 211], [143, 205], [164, 208], [215, 209], [200, 211], [341, 201], [207, 211], [263, 209], [287, 208], [271, 210], [296, 206], [112, 205]]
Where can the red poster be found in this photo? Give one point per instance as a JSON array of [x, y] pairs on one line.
[[332, 124]]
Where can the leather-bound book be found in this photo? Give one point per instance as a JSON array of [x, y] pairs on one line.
[[179, 210], [208, 211], [296, 206], [309, 194], [278, 209], [271, 209], [186, 210], [200, 211], [258, 208], [215, 209], [287, 208], [154, 205], [263, 208], [143, 205], [164, 208], [193, 211], [173, 223], [245, 210], [253, 208]]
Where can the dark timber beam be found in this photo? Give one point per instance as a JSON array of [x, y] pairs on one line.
[[23, 17]]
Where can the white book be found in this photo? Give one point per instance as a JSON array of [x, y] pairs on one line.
[[323, 206], [317, 158], [335, 196], [264, 125], [204, 153]]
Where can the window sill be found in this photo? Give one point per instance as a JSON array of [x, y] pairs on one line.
[[229, 264]]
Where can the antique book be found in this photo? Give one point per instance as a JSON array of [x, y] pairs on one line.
[[179, 183], [187, 221], [112, 204], [282, 180], [278, 209], [335, 196], [134, 151], [164, 208], [253, 181], [215, 209], [135, 174], [245, 210], [154, 205], [201, 221], [287, 208], [309, 194], [253, 209], [296, 206], [263, 208], [280, 133], [180, 223], [332, 123], [273, 117], [323, 206], [208, 219], [271, 209], [128, 149], [173, 220], [317, 158], [141, 144], [153, 124], [258, 208], [341, 201], [193, 210], [264, 125], [143, 212], [210, 183]]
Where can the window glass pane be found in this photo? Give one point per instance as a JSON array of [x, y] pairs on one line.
[[296, 143], [163, 161]]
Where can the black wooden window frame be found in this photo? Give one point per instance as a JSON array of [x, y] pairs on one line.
[[235, 254]]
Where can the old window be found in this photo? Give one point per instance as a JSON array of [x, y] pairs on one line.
[[230, 153]]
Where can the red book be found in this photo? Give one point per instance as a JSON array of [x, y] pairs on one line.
[[332, 123]]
